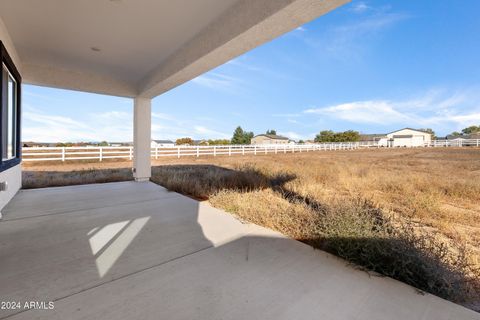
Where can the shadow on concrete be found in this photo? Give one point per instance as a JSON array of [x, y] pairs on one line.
[[181, 258]]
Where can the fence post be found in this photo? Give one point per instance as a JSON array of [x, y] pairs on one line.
[[255, 150], [214, 151], [277, 150], [178, 152], [100, 154], [156, 152], [477, 141], [63, 153], [243, 150], [284, 149], [266, 150], [198, 151]]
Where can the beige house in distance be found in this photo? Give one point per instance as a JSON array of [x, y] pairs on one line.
[[269, 139]]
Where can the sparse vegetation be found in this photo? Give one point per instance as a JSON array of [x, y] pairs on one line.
[[184, 141], [218, 142], [471, 129], [412, 214], [42, 179], [395, 213]]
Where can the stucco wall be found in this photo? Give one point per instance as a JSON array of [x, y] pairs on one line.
[[427, 136], [267, 140], [12, 176]]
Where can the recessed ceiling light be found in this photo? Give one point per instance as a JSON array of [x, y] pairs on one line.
[[96, 49]]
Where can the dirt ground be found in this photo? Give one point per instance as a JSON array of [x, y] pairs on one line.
[[435, 190], [437, 187]]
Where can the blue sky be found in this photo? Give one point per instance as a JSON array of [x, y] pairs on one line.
[[371, 66]]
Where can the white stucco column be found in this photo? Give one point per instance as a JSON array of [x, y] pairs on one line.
[[142, 114]]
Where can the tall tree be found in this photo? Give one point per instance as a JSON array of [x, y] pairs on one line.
[[247, 137], [471, 129], [238, 136], [272, 132], [188, 141], [349, 136], [429, 130], [325, 136], [241, 137], [330, 136]]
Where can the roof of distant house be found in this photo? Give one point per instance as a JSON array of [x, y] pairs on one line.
[[464, 136], [372, 136], [163, 141], [418, 130], [272, 136]]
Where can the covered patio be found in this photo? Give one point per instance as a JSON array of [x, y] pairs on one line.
[[131, 250]]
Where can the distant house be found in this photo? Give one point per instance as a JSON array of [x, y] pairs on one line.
[[372, 137], [269, 139], [162, 143], [201, 142], [406, 137], [115, 144], [464, 136]]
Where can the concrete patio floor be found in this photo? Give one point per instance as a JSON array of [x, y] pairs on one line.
[[136, 251]]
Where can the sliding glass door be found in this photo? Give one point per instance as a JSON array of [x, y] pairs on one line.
[[10, 112]]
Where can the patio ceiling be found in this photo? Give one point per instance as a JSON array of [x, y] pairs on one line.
[[142, 47]]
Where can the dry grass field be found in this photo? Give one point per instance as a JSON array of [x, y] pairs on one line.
[[412, 214]]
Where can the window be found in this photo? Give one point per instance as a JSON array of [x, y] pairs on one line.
[[10, 112]]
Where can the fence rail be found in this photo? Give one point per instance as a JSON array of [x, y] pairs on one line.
[[101, 153]]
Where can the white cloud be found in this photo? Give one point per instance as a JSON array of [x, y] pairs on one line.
[[437, 108], [112, 115], [287, 115], [219, 81], [302, 29], [110, 126], [210, 134], [372, 111], [295, 135], [359, 7], [350, 41], [162, 116], [52, 120]]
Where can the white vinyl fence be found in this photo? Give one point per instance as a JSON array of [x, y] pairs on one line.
[[101, 153]]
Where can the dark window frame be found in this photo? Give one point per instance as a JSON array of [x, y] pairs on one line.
[[5, 59]]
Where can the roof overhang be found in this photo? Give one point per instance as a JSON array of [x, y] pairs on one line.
[[141, 47]]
